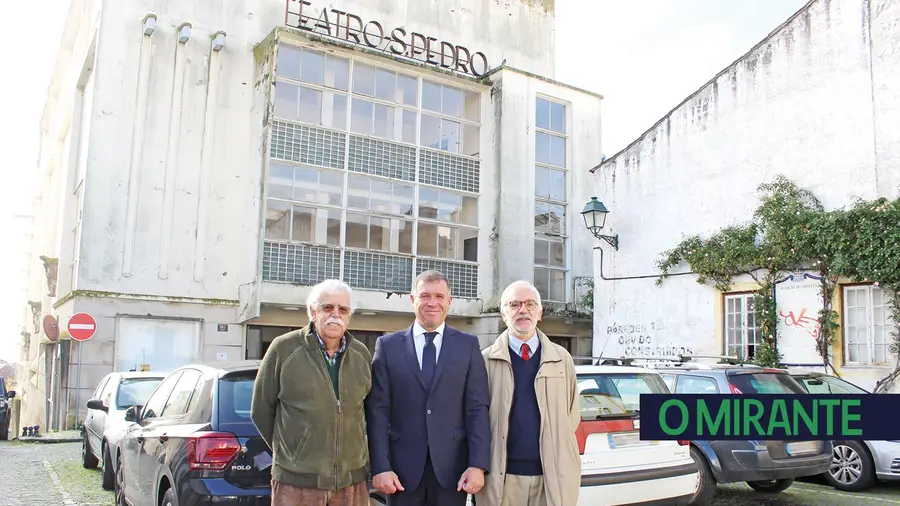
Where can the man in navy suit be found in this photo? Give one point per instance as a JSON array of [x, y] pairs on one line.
[[427, 413]]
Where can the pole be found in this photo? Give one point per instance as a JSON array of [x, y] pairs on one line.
[[78, 384]]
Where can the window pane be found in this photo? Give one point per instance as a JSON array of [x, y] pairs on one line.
[[470, 142], [431, 96], [379, 233], [426, 243], [557, 286], [557, 151], [381, 196], [449, 136], [558, 117], [428, 203], [357, 231], [541, 252], [310, 106], [430, 132], [281, 181], [330, 221], [386, 85], [542, 182], [312, 65], [286, 101], [405, 233], [409, 126], [447, 239], [542, 147], [542, 114], [557, 254], [469, 240], [288, 62], [472, 106], [557, 185], [384, 121], [331, 188], [556, 220], [306, 180], [408, 89], [303, 227], [541, 282], [469, 213], [450, 206], [361, 116], [363, 79], [337, 72], [337, 111], [403, 199], [541, 218], [357, 192], [278, 220], [451, 101]]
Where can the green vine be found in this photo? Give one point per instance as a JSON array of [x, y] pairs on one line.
[[792, 231]]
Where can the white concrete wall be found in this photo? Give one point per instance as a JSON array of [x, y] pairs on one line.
[[799, 104]]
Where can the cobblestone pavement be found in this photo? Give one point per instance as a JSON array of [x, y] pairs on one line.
[[34, 474]]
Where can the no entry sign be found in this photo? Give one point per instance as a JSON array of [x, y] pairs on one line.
[[81, 326]]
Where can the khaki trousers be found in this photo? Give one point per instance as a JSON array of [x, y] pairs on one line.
[[289, 495], [523, 491]]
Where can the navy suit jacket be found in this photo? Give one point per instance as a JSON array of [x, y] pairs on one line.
[[404, 420]]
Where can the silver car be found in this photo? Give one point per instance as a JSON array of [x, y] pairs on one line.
[[856, 465], [105, 422]]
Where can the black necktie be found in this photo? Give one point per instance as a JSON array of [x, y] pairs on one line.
[[429, 357]]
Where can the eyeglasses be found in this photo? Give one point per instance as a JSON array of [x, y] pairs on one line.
[[329, 308], [516, 304]]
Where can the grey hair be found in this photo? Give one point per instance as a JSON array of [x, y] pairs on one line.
[[431, 277], [507, 293], [327, 287]]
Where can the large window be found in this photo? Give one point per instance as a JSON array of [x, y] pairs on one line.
[[867, 325], [379, 165], [742, 332], [550, 200]]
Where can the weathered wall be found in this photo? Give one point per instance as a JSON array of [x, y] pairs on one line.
[[800, 104]]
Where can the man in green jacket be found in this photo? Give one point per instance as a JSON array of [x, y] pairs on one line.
[[308, 406]]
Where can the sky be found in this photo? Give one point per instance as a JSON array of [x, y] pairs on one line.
[[643, 56]]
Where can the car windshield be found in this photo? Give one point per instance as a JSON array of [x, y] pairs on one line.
[[766, 383], [134, 391], [235, 394], [616, 395], [828, 385]]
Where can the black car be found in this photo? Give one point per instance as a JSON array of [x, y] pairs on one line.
[[5, 410]]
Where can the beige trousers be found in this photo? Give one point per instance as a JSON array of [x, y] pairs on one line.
[[523, 491], [288, 495]]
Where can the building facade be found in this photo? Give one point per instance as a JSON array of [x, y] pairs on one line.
[[202, 168], [813, 102]]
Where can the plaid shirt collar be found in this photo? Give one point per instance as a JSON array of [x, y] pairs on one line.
[[331, 360]]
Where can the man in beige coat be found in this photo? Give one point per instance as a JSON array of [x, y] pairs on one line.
[[534, 411]]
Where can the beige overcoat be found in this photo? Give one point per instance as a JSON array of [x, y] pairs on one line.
[[559, 406]]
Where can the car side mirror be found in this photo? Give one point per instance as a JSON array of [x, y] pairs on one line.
[[10, 394], [815, 382], [131, 414], [97, 404]]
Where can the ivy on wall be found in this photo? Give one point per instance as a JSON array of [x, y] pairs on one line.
[[791, 231]]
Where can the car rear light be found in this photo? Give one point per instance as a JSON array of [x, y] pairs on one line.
[[734, 389], [212, 450], [586, 428], [683, 442]]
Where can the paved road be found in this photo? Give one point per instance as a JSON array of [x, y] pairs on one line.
[[33, 474]]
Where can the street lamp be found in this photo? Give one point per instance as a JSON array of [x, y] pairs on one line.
[[594, 214]]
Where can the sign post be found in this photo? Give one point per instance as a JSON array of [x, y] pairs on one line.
[[81, 327]]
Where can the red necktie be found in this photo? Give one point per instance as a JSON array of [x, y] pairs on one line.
[[526, 351]]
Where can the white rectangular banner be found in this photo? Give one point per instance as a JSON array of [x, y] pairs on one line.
[[798, 300]]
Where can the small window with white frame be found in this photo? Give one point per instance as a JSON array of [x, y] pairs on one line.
[[742, 331], [867, 325], [550, 199]]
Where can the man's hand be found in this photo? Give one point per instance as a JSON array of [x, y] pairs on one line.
[[471, 481], [387, 483]]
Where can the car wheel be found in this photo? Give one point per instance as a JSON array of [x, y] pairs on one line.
[[168, 498], [120, 483], [4, 431], [706, 482], [88, 460], [852, 468], [771, 486], [107, 474]]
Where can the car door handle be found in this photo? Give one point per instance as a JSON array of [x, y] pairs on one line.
[[163, 438], [140, 439]]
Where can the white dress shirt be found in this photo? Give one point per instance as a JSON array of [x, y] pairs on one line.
[[419, 339], [516, 344]]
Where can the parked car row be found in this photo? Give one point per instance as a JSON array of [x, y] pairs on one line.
[[185, 437]]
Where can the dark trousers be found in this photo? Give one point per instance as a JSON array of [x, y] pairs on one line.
[[429, 492]]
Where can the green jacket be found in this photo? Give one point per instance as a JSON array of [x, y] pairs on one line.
[[317, 441]]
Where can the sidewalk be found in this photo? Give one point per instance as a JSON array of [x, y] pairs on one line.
[[65, 436]]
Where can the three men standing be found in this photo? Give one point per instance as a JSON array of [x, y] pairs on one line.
[[427, 415], [308, 406], [534, 411]]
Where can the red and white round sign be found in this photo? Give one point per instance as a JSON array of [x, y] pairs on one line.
[[81, 327]]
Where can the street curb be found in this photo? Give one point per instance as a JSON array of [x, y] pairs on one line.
[[48, 441]]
